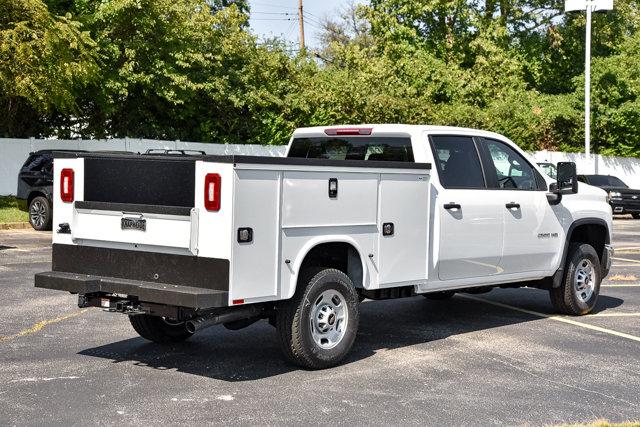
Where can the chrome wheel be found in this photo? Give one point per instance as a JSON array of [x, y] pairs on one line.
[[584, 280], [329, 318], [38, 213]]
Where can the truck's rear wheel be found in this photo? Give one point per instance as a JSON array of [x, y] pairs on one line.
[[579, 290], [159, 329], [318, 326]]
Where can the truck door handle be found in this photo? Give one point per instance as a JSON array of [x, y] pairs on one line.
[[452, 205], [512, 205]]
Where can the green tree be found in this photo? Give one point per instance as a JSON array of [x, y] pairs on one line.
[[45, 61]]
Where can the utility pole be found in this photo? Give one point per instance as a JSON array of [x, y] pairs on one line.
[[301, 24], [587, 85], [589, 6]]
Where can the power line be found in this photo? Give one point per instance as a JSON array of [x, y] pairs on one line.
[[273, 13], [313, 21], [272, 19], [315, 16]]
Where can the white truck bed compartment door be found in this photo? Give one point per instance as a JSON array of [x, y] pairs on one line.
[[306, 201], [404, 202], [255, 269]]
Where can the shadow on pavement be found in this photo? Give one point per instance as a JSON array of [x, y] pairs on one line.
[[253, 353]]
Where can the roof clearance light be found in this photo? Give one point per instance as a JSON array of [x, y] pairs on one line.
[[348, 131]]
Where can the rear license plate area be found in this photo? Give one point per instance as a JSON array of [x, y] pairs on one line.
[[139, 224]]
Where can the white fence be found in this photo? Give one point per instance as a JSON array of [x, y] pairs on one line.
[[13, 153], [625, 168]]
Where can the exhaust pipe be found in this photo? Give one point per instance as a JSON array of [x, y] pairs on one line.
[[202, 322]]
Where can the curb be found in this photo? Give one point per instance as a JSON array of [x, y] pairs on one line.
[[15, 226]]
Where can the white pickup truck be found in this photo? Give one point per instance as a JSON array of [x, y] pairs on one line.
[[180, 243]]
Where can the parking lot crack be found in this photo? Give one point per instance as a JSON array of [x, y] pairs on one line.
[[559, 383]]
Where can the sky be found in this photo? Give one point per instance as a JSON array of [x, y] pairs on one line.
[[280, 18]]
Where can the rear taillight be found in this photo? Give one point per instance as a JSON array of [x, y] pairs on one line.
[[66, 185], [212, 192]]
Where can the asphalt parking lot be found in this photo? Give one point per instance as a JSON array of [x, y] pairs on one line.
[[496, 358]]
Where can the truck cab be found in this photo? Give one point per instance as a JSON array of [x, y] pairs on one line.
[[352, 212]]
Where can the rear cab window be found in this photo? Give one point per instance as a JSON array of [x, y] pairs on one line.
[[380, 148]]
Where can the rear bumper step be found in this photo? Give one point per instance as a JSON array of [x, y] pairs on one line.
[[159, 293]]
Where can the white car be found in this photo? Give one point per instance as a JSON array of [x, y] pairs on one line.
[[180, 243]]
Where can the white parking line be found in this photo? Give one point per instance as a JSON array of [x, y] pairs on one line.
[[622, 285], [614, 315], [552, 317]]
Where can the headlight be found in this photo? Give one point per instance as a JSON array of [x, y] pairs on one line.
[[615, 195]]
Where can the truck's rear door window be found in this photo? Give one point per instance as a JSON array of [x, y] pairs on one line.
[[457, 162], [396, 149]]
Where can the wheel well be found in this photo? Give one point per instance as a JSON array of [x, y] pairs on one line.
[[33, 195], [339, 255], [593, 234]]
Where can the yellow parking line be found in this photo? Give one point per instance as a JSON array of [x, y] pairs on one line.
[[552, 317], [635, 261], [38, 326]]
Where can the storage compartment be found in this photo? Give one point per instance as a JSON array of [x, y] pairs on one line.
[[307, 202]]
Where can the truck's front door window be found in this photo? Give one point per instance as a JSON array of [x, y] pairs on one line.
[[511, 169], [397, 149]]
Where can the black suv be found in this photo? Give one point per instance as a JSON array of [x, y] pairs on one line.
[[623, 200], [35, 187]]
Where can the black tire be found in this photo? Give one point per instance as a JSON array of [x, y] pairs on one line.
[[317, 290], [40, 213], [569, 298], [159, 330], [636, 215], [439, 296]]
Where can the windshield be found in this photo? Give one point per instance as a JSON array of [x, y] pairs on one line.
[[605, 181], [396, 149]]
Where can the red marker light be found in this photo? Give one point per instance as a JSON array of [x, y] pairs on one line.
[[212, 192], [66, 185]]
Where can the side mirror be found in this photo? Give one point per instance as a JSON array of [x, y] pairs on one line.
[[567, 182]]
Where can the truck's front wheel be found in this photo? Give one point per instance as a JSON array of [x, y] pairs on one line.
[[318, 326], [158, 329], [579, 290]]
